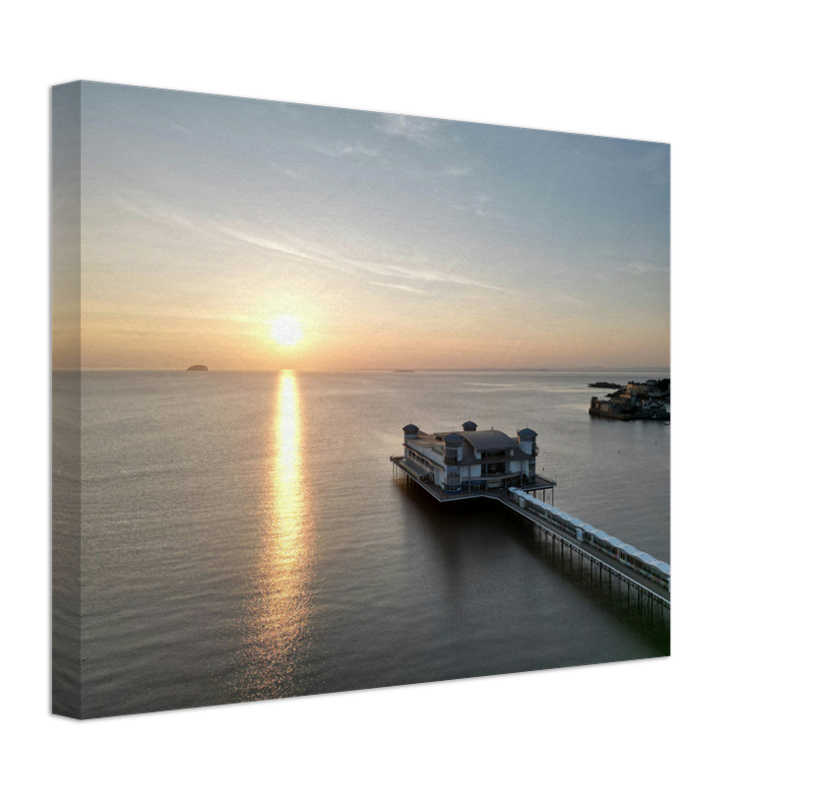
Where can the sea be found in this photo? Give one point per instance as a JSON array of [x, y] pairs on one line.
[[244, 536]]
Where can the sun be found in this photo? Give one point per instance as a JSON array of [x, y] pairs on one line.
[[286, 331]]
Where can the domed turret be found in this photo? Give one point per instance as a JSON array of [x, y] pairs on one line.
[[453, 444], [411, 431], [469, 426], [527, 439]]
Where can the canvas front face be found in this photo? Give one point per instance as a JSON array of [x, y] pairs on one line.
[[347, 400]]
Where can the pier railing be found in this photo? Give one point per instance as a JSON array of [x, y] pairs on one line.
[[653, 595], [647, 596]]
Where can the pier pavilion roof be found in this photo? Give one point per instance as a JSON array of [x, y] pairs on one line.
[[490, 440], [472, 441], [481, 440]]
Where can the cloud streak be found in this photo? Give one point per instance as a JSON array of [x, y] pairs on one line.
[[415, 129], [342, 149], [400, 286], [327, 259], [640, 268]]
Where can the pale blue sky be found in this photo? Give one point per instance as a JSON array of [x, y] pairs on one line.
[[397, 241]]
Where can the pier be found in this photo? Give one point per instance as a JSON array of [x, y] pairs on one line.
[[649, 595]]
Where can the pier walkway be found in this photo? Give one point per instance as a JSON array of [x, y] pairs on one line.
[[648, 594]]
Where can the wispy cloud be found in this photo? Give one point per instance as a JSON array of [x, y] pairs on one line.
[[316, 254], [286, 245], [416, 129], [343, 149], [648, 162], [266, 243], [481, 207], [400, 286], [640, 268], [291, 110], [157, 212], [175, 126], [288, 171], [327, 259], [429, 275], [655, 165]]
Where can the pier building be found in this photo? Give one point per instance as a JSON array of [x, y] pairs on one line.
[[471, 460]]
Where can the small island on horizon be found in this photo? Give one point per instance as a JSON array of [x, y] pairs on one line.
[[198, 368]]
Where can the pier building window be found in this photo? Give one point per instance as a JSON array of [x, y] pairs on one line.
[[495, 454], [498, 468]]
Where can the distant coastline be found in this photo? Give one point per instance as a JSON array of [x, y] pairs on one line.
[[639, 400]]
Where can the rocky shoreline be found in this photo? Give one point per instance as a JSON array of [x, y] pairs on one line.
[[661, 415]]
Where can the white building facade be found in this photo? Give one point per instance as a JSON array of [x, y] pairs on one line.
[[470, 460]]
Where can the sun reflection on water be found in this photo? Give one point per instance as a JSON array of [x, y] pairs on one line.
[[279, 613]]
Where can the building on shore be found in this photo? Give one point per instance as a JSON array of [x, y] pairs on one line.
[[471, 460], [651, 388], [626, 405]]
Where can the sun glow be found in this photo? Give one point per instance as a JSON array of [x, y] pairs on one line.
[[286, 331]]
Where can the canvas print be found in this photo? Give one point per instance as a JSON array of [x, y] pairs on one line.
[[346, 400]]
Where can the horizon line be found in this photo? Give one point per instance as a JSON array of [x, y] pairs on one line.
[[374, 369]]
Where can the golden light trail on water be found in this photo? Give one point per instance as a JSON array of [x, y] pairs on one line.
[[279, 618]]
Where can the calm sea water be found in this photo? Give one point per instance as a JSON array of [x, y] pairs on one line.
[[244, 536]]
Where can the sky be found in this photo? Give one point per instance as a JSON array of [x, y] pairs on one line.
[[392, 242]]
